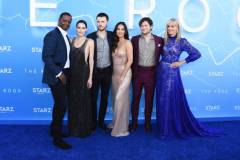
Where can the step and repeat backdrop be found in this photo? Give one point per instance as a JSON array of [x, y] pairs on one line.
[[212, 84]]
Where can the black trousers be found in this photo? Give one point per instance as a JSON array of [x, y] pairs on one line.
[[101, 81], [60, 96]]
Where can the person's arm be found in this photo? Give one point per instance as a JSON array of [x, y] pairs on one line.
[[177, 64], [193, 53], [91, 62], [49, 46], [129, 50]]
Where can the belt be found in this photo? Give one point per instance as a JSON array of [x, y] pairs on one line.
[[147, 68], [103, 69]]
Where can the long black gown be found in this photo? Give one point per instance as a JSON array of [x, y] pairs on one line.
[[80, 112]]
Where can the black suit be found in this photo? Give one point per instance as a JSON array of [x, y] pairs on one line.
[[101, 80], [54, 56]]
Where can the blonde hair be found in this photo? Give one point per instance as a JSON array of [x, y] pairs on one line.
[[166, 36]]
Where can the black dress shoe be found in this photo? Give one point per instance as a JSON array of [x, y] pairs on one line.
[[66, 135], [133, 127], [148, 127], [60, 143]]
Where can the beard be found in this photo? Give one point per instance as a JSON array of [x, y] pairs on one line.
[[146, 32], [64, 26], [101, 28]]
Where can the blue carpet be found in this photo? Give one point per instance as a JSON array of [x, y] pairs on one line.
[[32, 142]]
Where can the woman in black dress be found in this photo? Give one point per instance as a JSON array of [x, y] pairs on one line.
[[81, 68]]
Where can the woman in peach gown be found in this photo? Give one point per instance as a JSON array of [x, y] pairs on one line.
[[121, 79]]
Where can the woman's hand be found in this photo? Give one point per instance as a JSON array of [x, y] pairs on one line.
[[177, 64], [121, 78], [89, 83]]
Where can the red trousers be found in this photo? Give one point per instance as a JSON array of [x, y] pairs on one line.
[[144, 78]]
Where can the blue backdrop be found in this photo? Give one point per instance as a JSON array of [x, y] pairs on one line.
[[212, 84]]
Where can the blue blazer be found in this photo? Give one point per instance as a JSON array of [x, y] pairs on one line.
[[54, 56]]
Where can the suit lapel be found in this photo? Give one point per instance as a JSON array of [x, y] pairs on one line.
[[137, 49], [95, 46], [157, 47], [68, 40], [62, 39]]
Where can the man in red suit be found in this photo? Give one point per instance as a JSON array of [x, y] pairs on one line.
[[146, 52]]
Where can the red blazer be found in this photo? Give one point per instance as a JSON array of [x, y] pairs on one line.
[[159, 42]]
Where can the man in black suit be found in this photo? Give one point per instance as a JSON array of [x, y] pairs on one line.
[[55, 55], [102, 72]]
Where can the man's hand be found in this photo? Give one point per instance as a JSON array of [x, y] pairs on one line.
[[89, 83], [63, 78]]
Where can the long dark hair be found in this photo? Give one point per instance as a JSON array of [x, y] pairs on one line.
[[115, 37]]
